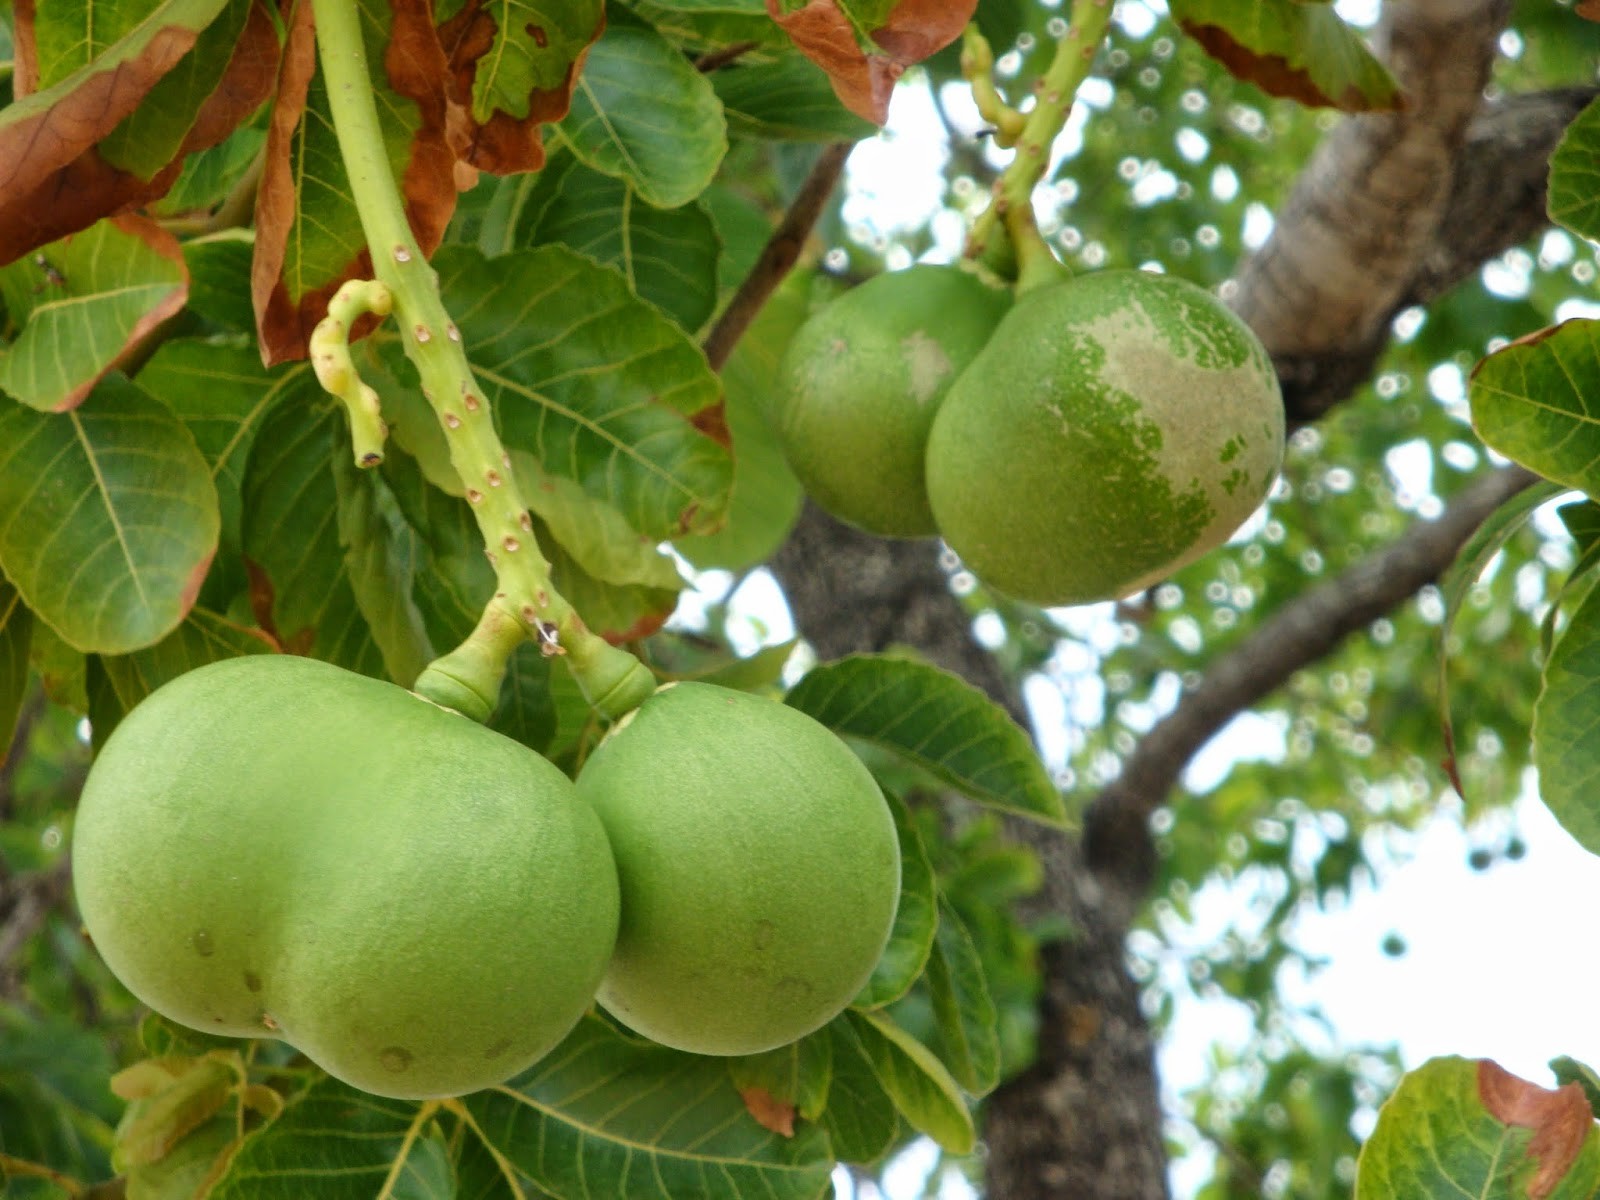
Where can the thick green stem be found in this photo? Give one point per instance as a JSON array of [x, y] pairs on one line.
[[990, 241], [525, 605]]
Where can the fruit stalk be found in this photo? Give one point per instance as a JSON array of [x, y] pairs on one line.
[[1004, 237], [525, 605]]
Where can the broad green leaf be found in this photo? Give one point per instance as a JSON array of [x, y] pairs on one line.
[[331, 1141], [153, 134], [596, 536], [1535, 402], [210, 175], [606, 1115], [526, 712], [379, 560], [917, 1082], [936, 721], [1574, 193], [860, 1119], [618, 612], [204, 637], [301, 586], [797, 1074], [1564, 719], [181, 1173], [454, 581], [1456, 1127], [911, 937], [219, 279], [15, 623], [715, 27], [788, 100], [222, 394], [642, 113], [597, 385], [1489, 539], [766, 496], [1305, 52], [108, 517], [99, 293], [964, 1013], [667, 255]]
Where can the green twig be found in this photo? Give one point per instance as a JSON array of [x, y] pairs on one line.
[[1004, 237], [525, 605]]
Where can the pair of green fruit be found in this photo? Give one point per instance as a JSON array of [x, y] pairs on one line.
[[273, 846], [1075, 444]]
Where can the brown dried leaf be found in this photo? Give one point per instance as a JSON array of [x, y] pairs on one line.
[[246, 83], [769, 1112], [1589, 9], [862, 80], [1560, 1119]]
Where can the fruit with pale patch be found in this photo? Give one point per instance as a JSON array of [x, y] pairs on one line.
[[861, 381], [1116, 427], [273, 846], [759, 865]]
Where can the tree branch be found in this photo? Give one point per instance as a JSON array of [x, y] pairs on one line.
[[779, 255], [1303, 631]]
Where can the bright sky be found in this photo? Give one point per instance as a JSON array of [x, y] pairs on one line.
[[1490, 968]]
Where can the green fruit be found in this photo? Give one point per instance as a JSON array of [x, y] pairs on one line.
[[1116, 427], [759, 865], [272, 846], [860, 383]]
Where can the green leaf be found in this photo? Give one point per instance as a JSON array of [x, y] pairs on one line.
[[597, 385], [331, 1141], [1574, 192], [766, 496], [101, 292], [301, 586], [1533, 402], [618, 612], [54, 1104], [936, 721], [209, 176], [15, 623], [606, 1115], [379, 560], [788, 100], [860, 1118], [61, 668], [1460, 1128], [219, 279], [797, 1074], [1473, 559], [1305, 52], [1564, 718], [1570, 1070], [526, 712], [222, 394], [667, 255], [964, 1013], [204, 637], [917, 1082], [454, 581], [642, 113], [110, 517], [911, 937]]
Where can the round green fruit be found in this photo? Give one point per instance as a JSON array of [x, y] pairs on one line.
[[759, 865], [1116, 427], [272, 846], [860, 383]]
